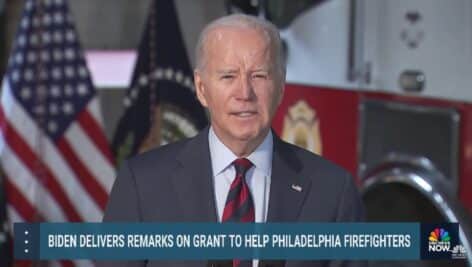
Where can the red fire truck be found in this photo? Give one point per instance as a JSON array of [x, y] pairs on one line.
[[383, 88]]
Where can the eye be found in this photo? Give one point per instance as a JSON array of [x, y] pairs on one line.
[[260, 75], [227, 77]]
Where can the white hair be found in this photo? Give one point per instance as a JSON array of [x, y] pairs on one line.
[[247, 22]]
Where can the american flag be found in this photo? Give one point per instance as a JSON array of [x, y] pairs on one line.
[[53, 152]]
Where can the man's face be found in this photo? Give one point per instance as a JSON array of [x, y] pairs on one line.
[[239, 84]]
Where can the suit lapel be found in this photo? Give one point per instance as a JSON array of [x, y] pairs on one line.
[[193, 180], [287, 188]]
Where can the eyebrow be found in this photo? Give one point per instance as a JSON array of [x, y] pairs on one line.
[[263, 69], [233, 71], [228, 71]]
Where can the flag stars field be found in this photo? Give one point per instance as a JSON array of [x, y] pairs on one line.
[[21, 40], [25, 23], [43, 75], [53, 109], [32, 56], [58, 18], [25, 93], [45, 57], [19, 58], [47, 20], [70, 36]]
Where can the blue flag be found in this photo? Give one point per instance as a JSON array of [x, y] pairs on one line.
[[161, 105]]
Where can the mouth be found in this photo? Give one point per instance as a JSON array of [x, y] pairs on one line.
[[244, 114]]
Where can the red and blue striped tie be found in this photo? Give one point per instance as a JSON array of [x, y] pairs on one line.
[[239, 204]]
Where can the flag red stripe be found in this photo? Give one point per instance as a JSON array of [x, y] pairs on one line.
[[90, 184], [67, 263], [22, 263], [28, 263], [27, 212], [91, 127], [38, 168], [22, 205]]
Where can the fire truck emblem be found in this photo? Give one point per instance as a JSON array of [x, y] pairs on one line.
[[301, 127], [412, 35]]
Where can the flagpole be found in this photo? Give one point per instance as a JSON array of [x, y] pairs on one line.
[[3, 35], [41, 113], [6, 255], [154, 114], [39, 106]]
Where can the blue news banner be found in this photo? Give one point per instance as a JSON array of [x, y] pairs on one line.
[[315, 241]]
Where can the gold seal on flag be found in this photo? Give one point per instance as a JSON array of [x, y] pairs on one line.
[[301, 127]]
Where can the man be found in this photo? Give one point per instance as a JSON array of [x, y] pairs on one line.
[[237, 169]]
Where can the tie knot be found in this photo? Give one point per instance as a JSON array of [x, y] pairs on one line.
[[241, 166]]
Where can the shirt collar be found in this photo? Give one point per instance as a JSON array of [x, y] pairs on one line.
[[222, 156]]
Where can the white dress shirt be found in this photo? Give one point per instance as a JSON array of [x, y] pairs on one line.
[[257, 177]]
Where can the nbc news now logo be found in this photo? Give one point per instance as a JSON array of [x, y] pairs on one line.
[[439, 241]]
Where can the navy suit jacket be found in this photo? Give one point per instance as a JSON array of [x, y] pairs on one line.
[[174, 184]]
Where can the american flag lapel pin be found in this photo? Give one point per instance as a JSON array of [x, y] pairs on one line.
[[296, 187]]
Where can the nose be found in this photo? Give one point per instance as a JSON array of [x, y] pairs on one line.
[[246, 90]]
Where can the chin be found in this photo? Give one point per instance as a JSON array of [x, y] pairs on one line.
[[249, 134], [246, 137]]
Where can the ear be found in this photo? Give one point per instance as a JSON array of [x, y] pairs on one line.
[[200, 88], [281, 92]]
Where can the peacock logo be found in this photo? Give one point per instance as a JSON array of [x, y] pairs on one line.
[[439, 240], [439, 235]]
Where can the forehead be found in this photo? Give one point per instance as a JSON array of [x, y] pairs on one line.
[[234, 39]]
